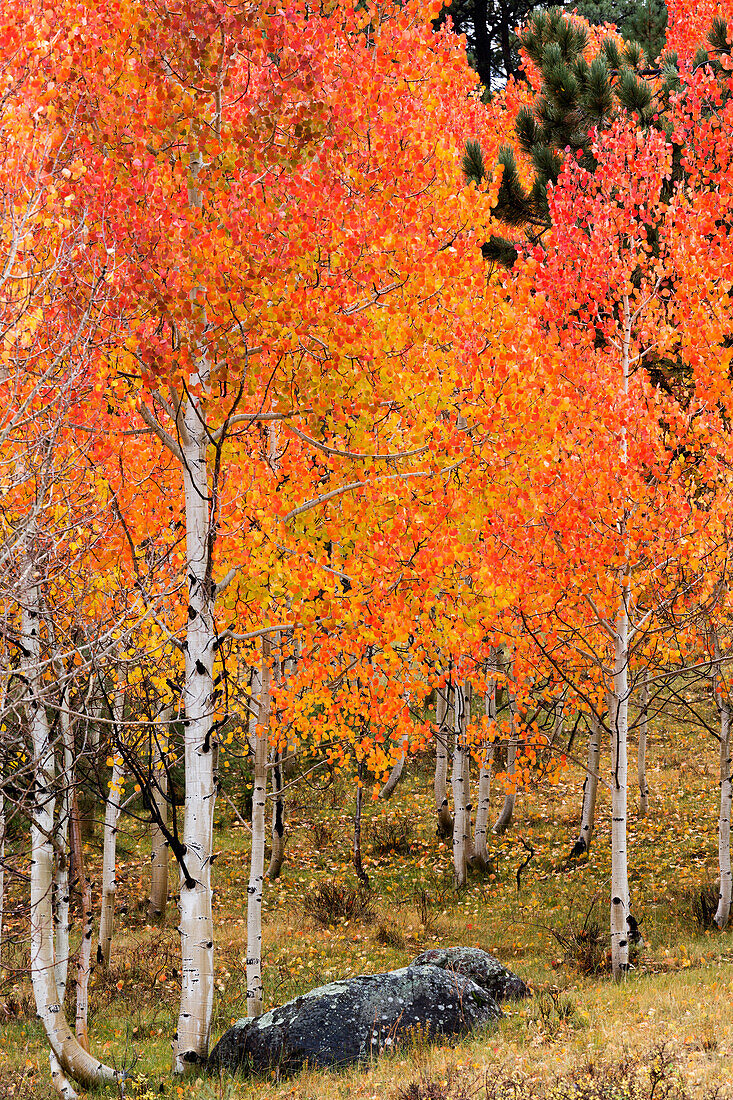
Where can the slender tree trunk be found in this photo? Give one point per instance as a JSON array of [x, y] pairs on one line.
[[109, 851], [396, 774], [619, 718], [2, 864], [278, 820], [196, 925], [722, 913], [461, 785], [361, 874], [643, 735], [590, 791], [506, 813], [62, 924], [62, 889], [84, 962], [278, 802], [480, 850], [158, 844], [440, 786], [72, 1058], [619, 722], [259, 742]]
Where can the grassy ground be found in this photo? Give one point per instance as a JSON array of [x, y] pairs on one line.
[[680, 992]]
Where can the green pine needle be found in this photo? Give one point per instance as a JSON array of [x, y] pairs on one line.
[[473, 165]]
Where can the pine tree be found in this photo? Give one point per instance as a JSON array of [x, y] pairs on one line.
[[577, 95], [642, 21]]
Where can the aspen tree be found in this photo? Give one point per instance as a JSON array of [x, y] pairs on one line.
[[643, 736], [158, 899], [278, 802], [590, 789], [461, 783], [483, 806], [259, 733], [442, 734], [109, 849], [73, 1060], [722, 913], [506, 813]]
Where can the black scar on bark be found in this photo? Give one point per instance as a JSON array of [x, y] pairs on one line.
[[616, 901], [191, 613]]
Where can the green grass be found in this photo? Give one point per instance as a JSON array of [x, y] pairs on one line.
[[681, 989]]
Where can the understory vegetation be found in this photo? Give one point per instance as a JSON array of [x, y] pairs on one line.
[[665, 1033]]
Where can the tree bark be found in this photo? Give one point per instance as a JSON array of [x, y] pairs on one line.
[[158, 844], [84, 963], [461, 785], [440, 786], [259, 736], [590, 790], [643, 735], [396, 774], [506, 813], [722, 913], [481, 829], [278, 820], [72, 1058], [361, 874], [619, 722], [277, 855], [109, 852]]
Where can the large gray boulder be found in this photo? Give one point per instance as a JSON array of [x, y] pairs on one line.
[[350, 1020], [480, 967]]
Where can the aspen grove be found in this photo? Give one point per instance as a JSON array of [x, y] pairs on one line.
[[355, 425]]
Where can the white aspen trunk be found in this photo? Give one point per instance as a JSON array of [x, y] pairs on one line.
[[158, 899], [2, 864], [460, 785], [196, 926], [109, 852], [618, 714], [506, 813], [277, 855], [399, 766], [61, 879], [641, 762], [361, 874], [3, 828], [62, 924], [619, 722], [440, 786], [84, 960], [278, 820], [259, 735], [722, 913], [590, 790], [481, 829], [71, 1057]]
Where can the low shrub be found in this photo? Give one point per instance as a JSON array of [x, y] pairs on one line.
[[333, 902]]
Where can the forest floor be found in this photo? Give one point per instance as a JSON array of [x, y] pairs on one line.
[[670, 1021]]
